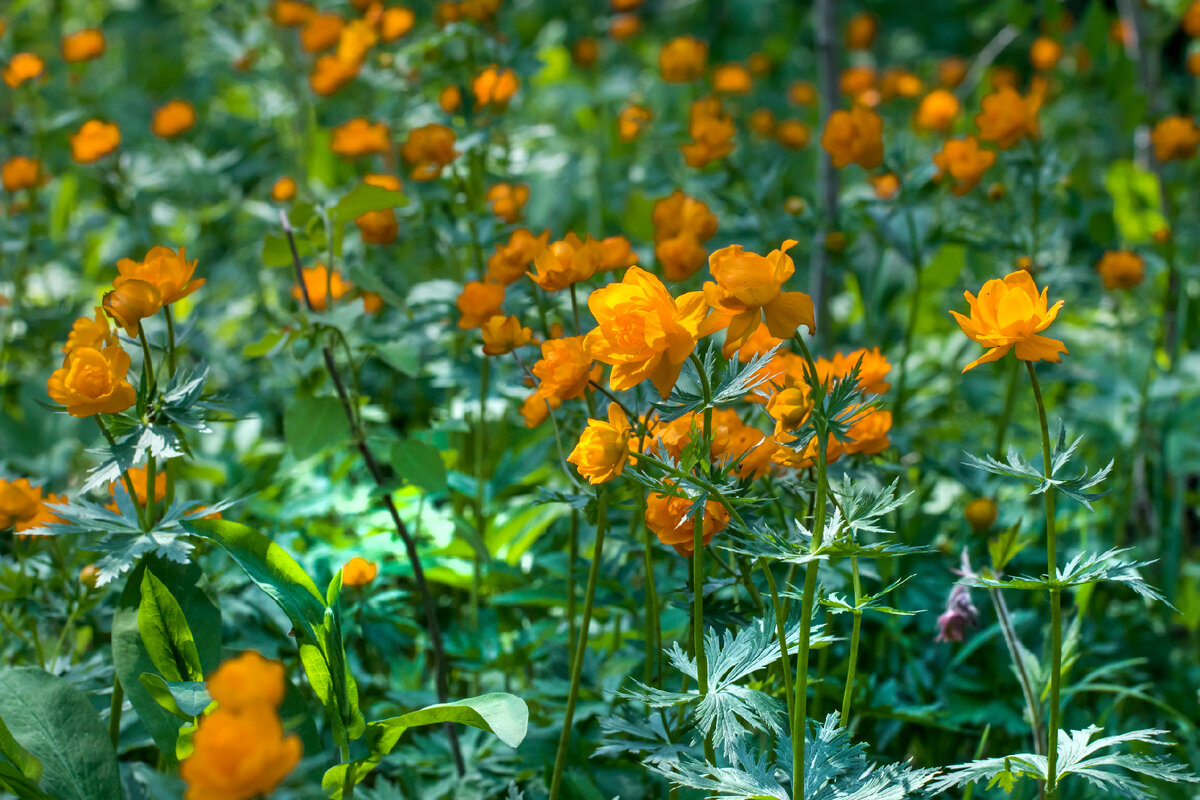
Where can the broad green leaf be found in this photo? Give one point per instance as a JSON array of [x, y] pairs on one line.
[[1137, 203], [184, 699], [165, 632], [58, 725], [362, 199], [12, 780], [419, 463], [505, 715], [402, 356], [312, 424], [20, 758], [277, 253]]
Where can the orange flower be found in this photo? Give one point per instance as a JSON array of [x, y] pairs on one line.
[[643, 332], [886, 186], [682, 59], [429, 149], [868, 435], [172, 119], [93, 333], [321, 32], [358, 137], [624, 26], [1045, 53], [137, 476], [792, 134], [937, 112], [21, 172], [44, 515], [759, 64], [749, 289], [616, 252], [83, 45], [1007, 117], [965, 161], [479, 302], [584, 52], [359, 572], [450, 99], [94, 140], [762, 121], [283, 190], [566, 262], [355, 41], [495, 87], [854, 137], [331, 73], [860, 31], [856, 83], [18, 503], [239, 754], [712, 131], [732, 79], [164, 269], [625, 5], [563, 372], [379, 227], [681, 224], [291, 13], [632, 120], [131, 301], [806, 458], [509, 262], [952, 71], [790, 407], [502, 335], [802, 93], [665, 516], [1010, 313], [603, 448], [92, 381], [1175, 138], [1193, 63], [247, 680], [1121, 269], [872, 371], [507, 200], [21, 68], [321, 285], [897, 82], [396, 22], [981, 513]]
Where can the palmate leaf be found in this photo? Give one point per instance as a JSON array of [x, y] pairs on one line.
[[1082, 569], [872, 602], [1078, 755], [792, 545], [645, 739], [862, 505], [1015, 466]]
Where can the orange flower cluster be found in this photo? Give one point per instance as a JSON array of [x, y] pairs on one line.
[[563, 373], [21, 68], [632, 120], [174, 118], [681, 226], [1175, 138], [478, 303], [732, 79], [357, 137], [20, 172], [240, 749], [937, 112], [94, 140], [507, 200], [359, 573], [854, 137], [512, 259], [712, 131], [502, 335], [321, 286], [571, 260], [429, 149], [1007, 117], [964, 161], [603, 448], [24, 507], [495, 87], [83, 45], [666, 516], [682, 59]]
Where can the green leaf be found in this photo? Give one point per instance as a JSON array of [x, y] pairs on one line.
[[420, 463], [277, 253], [505, 715], [13, 781], [362, 199], [184, 699], [1005, 547], [312, 424], [25, 762], [402, 356], [1137, 202], [57, 724], [165, 632]]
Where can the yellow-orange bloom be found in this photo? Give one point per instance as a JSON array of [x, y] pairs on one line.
[[321, 285], [18, 503], [164, 269], [762, 121], [138, 477], [643, 332], [952, 71], [854, 137], [21, 68], [858, 83], [886, 186], [936, 112], [357, 137], [896, 82], [479, 302], [511, 259], [321, 32], [792, 134], [665, 516], [21, 172], [239, 754], [681, 225], [861, 30], [172, 119], [330, 73], [632, 120], [93, 381], [396, 22], [283, 190], [682, 59], [83, 45], [563, 372], [380, 226], [1175, 138], [131, 301], [429, 149], [291, 13], [1007, 117], [495, 87], [748, 290], [964, 161], [94, 140], [1191, 19], [789, 407], [359, 572], [507, 200], [502, 335], [94, 333], [45, 512], [1121, 269], [450, 99], [1010, 313], [603, 448], [712, 131], [981, 513], [868, 434], [1045, 53], [247, 680], [566, 262], [732, 79], [623, 26], [356, 40], [802, 93], [872, 371]]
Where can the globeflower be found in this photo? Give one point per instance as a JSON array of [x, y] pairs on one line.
[[330, 73], [247, 680], [380, 226], [632, 120], [749, 290], [138, 478], [1045, 53], [18, 503], [1121, 269], [511, 259], [682, 59], [131, 301], [495, 87], [21, 68], [173, 119], [802, 93], [239, 754], [603, 448], [564, 372], [94, 140], [83, 45], [321, 32], [854, 137], [981, 513], [429, 149], [965, 161], [861, 30], [20, 172], [858, 83], [93, 333], [712, 131], [507, 200], [1007, 117], [164, 269], [1175, 138], [359, 572], [643, 332], [792, 134], [92, 381], [873, 368], [450, 99], [566, 262], [502, 335], [732, 79], [291, 13], [666, 517], [886, 186], [937, 112], [681, 225], [1008, 314], [868, 433], [952, 71], [624, 26], [396, 22], [479, 302], [896, 82], [358, 137], [283, 190], [321, 285]]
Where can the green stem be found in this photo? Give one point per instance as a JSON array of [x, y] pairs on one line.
[[564, 737], [785, 661], [698, 617], [170, 341], [854, 635], [914, 311], [799, 719], [1055, 597], [480, 512], [125, 479], [148, 366], [348, 783], [114, 712], [572, 558], [151, 479], [653, 648]]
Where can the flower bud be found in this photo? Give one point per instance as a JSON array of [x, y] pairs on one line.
[[981, 514], [132, 301]]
